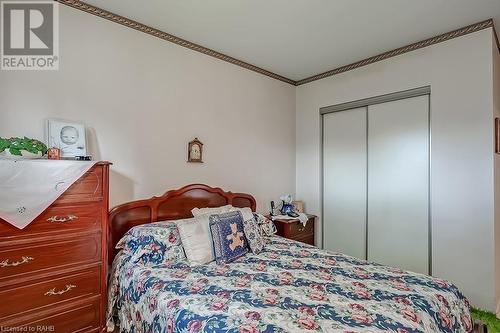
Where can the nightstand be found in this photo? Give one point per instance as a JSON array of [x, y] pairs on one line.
[[293, 229]]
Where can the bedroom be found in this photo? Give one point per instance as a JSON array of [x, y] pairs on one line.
[[276, 98]]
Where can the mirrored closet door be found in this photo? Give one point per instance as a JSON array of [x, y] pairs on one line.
[[376, 179]]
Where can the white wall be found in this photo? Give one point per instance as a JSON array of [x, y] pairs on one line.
[[459, 72], [496, 112], [144, 99]]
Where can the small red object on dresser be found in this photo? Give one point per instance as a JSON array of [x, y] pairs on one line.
[[54, 154]]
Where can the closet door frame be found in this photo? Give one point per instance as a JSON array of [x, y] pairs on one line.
[[365, 103]]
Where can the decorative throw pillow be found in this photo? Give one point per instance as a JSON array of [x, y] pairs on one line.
[[210, 210], [153, 243], [196, 240], [253, 235], [228, 236], [246, 212], [266, 226]]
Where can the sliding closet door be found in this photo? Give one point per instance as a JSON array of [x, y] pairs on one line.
[[398, 183], [344, 182]]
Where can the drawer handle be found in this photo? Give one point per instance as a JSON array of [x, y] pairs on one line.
[[24, 260], [302, 228], [53, 292], [62, 219]]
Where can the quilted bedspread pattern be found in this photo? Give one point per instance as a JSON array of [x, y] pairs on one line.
[[289, 287]]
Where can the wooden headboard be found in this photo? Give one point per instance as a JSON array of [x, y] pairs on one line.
[[173, 205]]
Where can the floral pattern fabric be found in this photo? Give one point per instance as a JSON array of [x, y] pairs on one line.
[[288, 287], [254, 236], [153, 243], [267, 227]]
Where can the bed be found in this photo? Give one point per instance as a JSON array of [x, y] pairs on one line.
[[288, 287]]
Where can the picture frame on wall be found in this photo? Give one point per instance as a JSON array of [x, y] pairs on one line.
[[67, 136], [497, 135], [298, 206]]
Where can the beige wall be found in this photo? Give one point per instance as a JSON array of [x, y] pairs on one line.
[[459, 72], [144, 99]]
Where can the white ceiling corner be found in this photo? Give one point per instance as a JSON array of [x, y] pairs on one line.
[[301, 38]]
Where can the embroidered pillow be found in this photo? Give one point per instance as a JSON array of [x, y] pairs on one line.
[[228, 236], [196, 240], [154, 243], [251, 229], [266, 226], [253, 235]]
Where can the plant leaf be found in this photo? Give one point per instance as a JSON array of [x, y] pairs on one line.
[[15, 151]]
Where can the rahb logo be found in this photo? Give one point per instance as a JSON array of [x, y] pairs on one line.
[[29, 35]]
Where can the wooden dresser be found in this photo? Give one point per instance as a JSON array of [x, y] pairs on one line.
[[53, 272], [293, 229]]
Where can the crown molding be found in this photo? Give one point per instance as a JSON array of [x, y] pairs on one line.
[[405, 49], [168, 37], [81, 5]]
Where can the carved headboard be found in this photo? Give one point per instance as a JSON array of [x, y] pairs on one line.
[[173, 205]]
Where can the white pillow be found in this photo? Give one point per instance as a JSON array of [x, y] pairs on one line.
[[196, 236], [196, 239], [245, 212], [211, 210]]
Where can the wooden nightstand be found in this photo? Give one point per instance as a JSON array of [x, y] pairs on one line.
[[293, 229]]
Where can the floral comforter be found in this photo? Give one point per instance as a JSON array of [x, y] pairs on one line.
[[289, 287]]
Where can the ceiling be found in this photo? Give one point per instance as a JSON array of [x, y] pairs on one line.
[[301, 38]]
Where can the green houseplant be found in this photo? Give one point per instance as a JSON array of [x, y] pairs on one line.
[[19, 148]]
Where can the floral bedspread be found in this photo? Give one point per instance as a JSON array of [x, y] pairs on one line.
[[289, 287]]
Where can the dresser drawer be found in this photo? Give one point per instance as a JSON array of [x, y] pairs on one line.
[[58, 220], [298, 230], [88, 188], [308, 239], [79, 318], [24, 261], [48, 293]]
